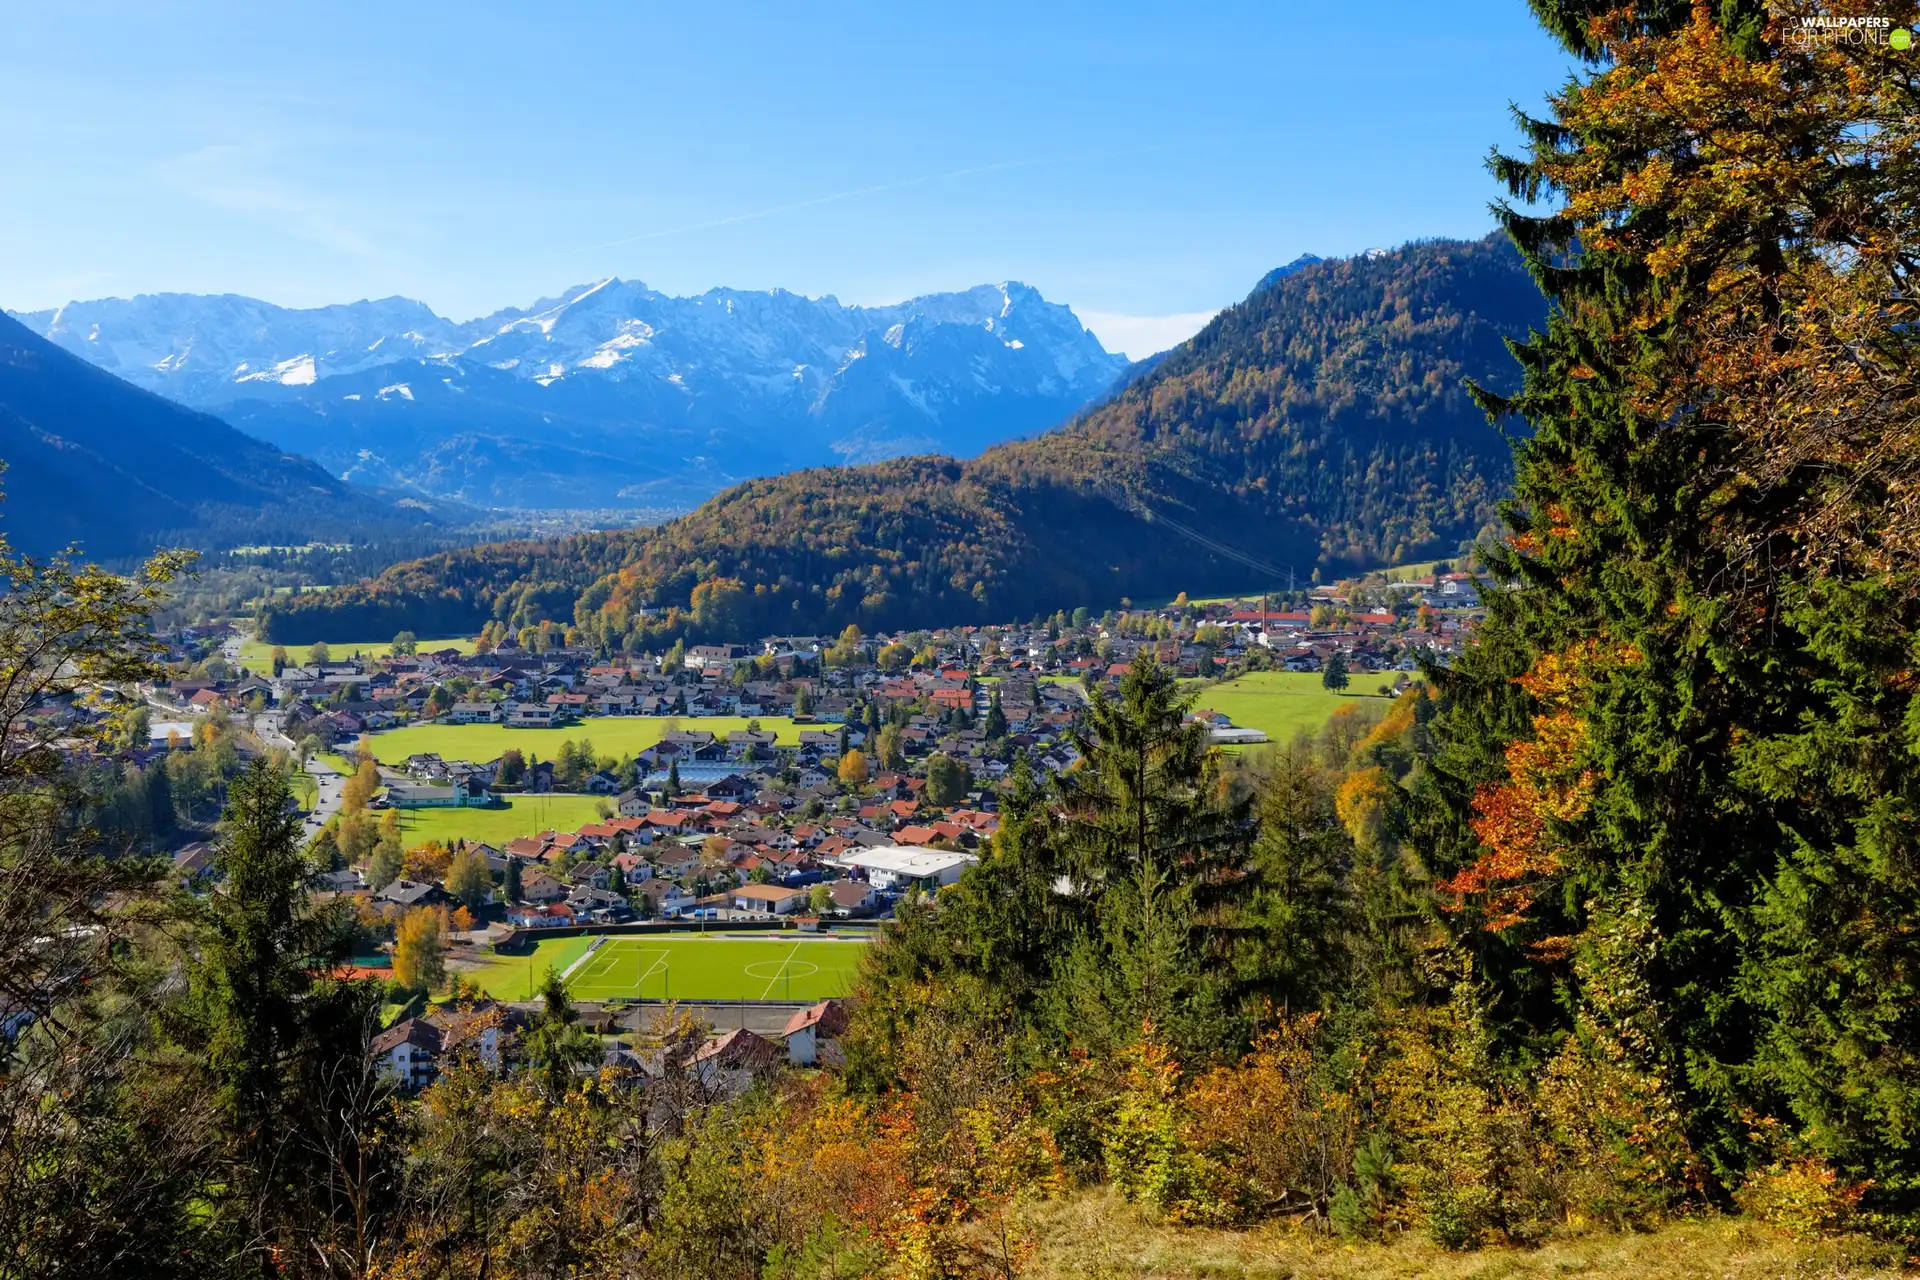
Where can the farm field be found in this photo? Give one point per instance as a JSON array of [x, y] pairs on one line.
[[256, 655], [1282, 703], [683, 967], [523, 816], [611, 735]]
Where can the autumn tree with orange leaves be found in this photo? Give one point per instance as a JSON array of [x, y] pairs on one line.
[[1685, 722]]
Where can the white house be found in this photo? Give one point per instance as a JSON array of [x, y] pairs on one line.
[[531, 715], [813, 1035], [900, 865], [668, 898], [409, 1051], [778, 899]]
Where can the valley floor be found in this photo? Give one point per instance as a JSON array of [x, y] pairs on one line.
[[1097, 1236]]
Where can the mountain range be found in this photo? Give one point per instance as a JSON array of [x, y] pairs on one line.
[[610, 394], [93, 461], [1324, 422]]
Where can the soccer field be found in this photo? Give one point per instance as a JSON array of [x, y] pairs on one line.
[[684, 967]]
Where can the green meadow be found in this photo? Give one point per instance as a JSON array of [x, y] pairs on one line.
[[1281, 703], [612, 736], [256, 655], [522, 816]]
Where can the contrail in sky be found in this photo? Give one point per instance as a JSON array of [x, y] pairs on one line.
[[902, 185]]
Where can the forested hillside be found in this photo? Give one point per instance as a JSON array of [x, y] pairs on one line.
[[96, 461], [1324, 422], [1599, 946]]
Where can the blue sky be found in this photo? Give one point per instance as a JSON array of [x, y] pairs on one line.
[[1143, 163]]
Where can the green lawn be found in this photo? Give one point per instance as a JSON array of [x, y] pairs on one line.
[[257, 655], [611, 735], [523, 816], [1408, 572], [685, 967], [518, 977], [1282, 703]]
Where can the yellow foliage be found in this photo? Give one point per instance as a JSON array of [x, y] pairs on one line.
[[1363, 803], [1802, 1196], [417, 948]]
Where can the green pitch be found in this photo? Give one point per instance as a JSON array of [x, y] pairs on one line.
[[684, 967]]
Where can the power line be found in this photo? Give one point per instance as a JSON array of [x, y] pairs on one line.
[[1130, 502]]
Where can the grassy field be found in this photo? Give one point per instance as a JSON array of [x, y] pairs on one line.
[[257, 655], [611, 735], [1280, 702], [1083, 1235], [518, 977], [685, 967], [523, 816]]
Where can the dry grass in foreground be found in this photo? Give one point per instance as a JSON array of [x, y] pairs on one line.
[[1101, 1238]]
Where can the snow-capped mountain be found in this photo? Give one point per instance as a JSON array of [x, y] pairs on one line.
[[611, 392]]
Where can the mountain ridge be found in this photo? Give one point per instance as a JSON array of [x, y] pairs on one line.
[[1322, 422], [94, 460], [701, 391]]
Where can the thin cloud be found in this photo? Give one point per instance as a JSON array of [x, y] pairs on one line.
[[233, 177], [853, 193]]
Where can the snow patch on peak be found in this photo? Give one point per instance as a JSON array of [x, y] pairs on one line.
[[300, 371]]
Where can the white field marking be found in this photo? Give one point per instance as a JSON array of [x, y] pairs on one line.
[[588, 954], [778, 973], [640, 956], [791, 969], [616, 957], [659, 966]]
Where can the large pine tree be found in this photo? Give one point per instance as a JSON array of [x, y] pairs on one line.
[[1685, 722]]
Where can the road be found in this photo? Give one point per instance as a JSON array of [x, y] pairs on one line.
[[266, 726], [327, 801]]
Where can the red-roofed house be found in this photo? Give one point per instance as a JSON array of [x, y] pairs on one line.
[[813, 1035]]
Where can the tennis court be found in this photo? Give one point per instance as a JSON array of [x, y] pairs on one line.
[[687, 967]]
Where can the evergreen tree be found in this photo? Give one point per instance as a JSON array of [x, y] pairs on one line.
[[947, 780], [556, 1046], [1295, 910], [1152, 841], [159, 790], [1680, 722], [262, 1007], [385, 866], [1334, 676], [996, 726]]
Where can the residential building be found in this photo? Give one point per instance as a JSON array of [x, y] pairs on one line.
[[813, 1035], [777, 899]]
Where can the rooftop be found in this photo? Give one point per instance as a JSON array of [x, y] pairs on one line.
[[903, 861]]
